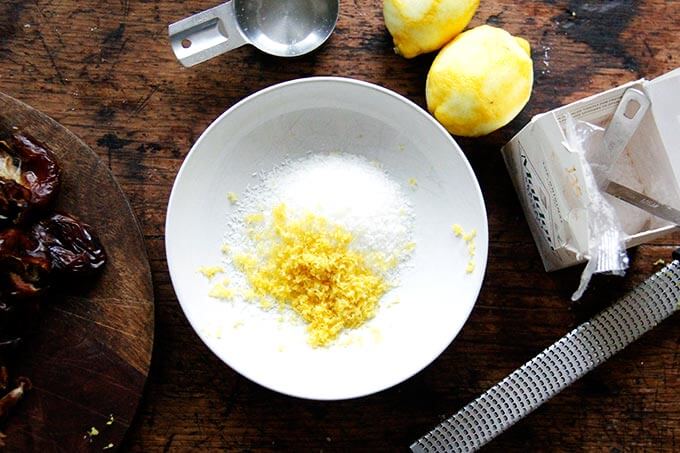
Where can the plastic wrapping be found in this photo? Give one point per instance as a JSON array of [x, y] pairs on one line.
[[606, 237]]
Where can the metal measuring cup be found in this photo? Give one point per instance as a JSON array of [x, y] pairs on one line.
[[283, 28]]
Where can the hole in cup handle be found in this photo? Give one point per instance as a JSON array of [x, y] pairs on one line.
[[625, 121], [632, 108], [634, 103]]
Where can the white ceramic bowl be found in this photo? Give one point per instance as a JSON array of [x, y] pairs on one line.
[[328, 114]]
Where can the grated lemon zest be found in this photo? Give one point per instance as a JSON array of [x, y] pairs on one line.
[[232, 197], [470, 268], [308, 265], [249, 295], [256, 217], [469, 239], [221, 291], [210, 271], [470, 236]]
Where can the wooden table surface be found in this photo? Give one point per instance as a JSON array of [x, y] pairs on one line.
[[105, 70]]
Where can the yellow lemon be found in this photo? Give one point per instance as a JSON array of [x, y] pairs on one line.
[[421, 26], [480, 81]]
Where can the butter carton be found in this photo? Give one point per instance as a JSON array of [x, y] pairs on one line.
[[549, 180]]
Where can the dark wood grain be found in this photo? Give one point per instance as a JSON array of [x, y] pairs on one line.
[[89, 355], [106, 71]]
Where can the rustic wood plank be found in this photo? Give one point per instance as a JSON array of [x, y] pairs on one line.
[[105, 70]]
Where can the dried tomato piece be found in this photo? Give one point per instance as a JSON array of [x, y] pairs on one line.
[[14, 202], [72, 246], [24, 265], [39, 168], [29, 165]]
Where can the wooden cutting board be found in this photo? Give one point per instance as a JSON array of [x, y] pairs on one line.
[[89, 356]]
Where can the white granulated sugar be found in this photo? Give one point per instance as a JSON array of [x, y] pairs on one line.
[[352, 192], [346, 189]]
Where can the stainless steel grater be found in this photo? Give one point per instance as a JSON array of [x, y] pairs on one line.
[[558, 366]]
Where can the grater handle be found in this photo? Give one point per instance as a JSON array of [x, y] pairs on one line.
[[558, 366]]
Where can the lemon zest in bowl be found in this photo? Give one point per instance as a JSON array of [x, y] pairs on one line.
[[232, 197], [470, 268], [256, 217], [222, 291], [308, 264], [210, 271], [469, 239]]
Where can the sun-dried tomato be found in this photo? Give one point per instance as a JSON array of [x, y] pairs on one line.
[[24, 265], [29, 178], [14, 202], [36, 249], [72, 246]]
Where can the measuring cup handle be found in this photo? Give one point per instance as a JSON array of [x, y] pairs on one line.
[[627, 117], [205, 35]]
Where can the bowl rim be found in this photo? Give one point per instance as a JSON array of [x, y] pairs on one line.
[[371, 86]]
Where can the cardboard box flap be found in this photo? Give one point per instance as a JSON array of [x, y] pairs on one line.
[[664, 92]]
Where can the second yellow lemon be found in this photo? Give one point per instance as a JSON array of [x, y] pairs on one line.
[[480, 81], [421, 26]]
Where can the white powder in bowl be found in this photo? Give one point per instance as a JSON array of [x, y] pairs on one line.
[[346, 189]]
